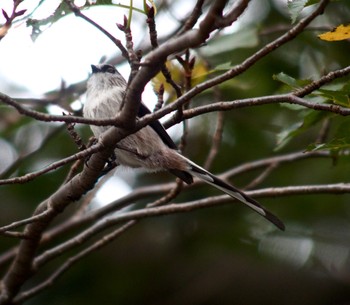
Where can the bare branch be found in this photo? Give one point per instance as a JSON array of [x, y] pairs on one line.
[[173, 45], [116, 41], [53, 118], [267, 162], [193, 18], [156, 59], [23, 222], [154, 42], [217, 136], [264, 100], [53, 166], [108, 222]]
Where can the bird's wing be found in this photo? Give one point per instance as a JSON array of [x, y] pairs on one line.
[[160, 130]]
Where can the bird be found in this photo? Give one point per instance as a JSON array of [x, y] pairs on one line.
[[151, 147]]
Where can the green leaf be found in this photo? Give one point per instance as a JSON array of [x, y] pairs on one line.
[[287, 134], [295, 7], [335, 145], [286, 79], [339, 97], [336, 93], [340, 140], [290, 81], [311, 118]]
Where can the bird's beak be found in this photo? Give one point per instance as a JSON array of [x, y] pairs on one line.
[[95, 69]]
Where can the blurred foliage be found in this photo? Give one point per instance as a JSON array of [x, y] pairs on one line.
[[222, 255]]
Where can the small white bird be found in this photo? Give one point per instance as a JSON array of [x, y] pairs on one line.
[[151, 147]]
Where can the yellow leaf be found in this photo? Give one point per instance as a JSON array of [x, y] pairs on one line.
[[199, 74], [341, 32]]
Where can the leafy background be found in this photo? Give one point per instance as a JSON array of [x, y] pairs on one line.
[[221, 255]]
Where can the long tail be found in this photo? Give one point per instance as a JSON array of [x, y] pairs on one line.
[[209, 178]]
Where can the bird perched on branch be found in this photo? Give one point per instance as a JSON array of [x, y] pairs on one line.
[[151, 147]]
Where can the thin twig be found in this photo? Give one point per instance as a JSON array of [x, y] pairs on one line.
[[23, 158], [154, 42], [217, 136], [193, 18], [323, 133], [53, 166], [23, 222], [116, 41], [238, 69], [9, 18], [260, 178]]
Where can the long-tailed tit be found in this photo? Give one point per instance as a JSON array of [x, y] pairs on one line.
[[151, 147]]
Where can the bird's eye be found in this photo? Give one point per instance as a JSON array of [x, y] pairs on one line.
[[109, 69]]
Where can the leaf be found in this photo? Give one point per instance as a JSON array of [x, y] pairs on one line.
[[340, 140], [338, 97], [341, 32], [199, 74], [287, 134], [290, 81], [295, 7], [286, 79], [337, 93], [310, 120]]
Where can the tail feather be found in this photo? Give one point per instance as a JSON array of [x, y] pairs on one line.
[[209, 178]]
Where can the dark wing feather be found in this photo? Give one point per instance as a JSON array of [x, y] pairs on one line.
[[235, 193]]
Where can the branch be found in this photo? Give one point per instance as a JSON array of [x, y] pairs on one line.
[[108, 222], [54, 118], [71, 261], [294, 97], [259, 101], [217, 136], [53, 166], [193, 18], [116, 41], [238, 69], [9, 19], [267, 162], [21, 268], [143, 192], [156, 59], [22, 158]]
